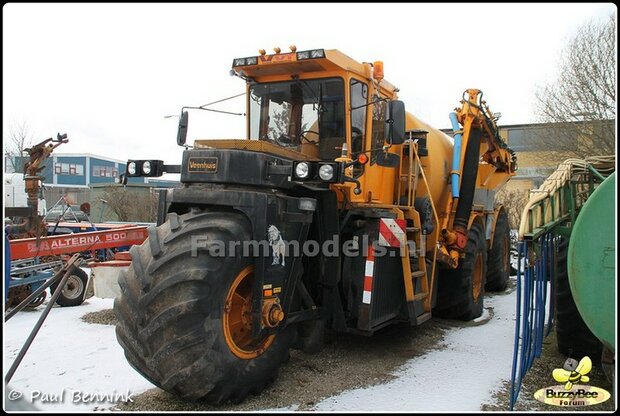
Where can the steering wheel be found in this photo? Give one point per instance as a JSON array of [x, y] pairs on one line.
[[302, 136], [284, 140]]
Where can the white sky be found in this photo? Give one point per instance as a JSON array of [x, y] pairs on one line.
[[107, 74]]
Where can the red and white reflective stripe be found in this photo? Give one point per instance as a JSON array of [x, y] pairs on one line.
[[370, 269], [392, 232]]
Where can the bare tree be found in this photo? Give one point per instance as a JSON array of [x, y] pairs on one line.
[[514, 201], [129, 204], [582, 101], [19, 138]]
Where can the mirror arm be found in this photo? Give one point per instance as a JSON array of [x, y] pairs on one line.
[[357, 190]]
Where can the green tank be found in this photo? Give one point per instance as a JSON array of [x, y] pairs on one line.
[[591, 262]]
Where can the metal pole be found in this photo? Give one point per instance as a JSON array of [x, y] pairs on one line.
[[73, 263]]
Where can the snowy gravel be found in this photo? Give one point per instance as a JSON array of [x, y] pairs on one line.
[[443, 365], [71, 365]]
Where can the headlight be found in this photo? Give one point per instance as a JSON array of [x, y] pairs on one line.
[[131, 168], [326, 172], [146, 168], [302, 170]]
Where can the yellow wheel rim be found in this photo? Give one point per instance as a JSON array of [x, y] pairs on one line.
[[237, 318]]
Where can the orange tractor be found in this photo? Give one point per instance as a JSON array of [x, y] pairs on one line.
[[338, 211]]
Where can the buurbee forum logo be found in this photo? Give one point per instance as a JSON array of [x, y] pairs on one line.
[[570, 393]]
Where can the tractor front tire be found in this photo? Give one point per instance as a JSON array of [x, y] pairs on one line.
[[498, 264], [460, 291], [183, 313]]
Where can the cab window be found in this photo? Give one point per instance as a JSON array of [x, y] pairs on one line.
[[379, 110], [359, 96]]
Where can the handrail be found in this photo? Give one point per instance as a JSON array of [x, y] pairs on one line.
[[550, 203]]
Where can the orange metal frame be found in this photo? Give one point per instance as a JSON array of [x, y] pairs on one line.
[[74, 243]]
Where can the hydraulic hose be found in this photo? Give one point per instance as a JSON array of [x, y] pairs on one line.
[[456, 155], [468, 182]]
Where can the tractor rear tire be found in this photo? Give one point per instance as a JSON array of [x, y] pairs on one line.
[[498, 264], [573, 335], [460, 291], [175, 304]]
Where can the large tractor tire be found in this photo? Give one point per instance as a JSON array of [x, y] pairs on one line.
[[498, 263], [184, 320], [460, 292], [574, 337]]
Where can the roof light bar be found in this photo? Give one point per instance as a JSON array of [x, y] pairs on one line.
[[252, 60], [311, 54]]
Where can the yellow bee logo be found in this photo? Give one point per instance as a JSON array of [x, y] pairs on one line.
[[573, 372]]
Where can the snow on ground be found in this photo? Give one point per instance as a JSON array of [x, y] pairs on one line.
[[68, 360], [460, 377]]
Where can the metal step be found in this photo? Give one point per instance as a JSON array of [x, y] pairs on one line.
[[418, 273], [423, 318], [420, 296], [412, 229]]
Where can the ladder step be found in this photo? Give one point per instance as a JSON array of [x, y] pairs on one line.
[[418, 273], [423, 318], [420, 296], [412, 229]]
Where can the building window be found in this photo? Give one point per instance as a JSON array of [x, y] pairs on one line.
[[105, 171], [69, 169]]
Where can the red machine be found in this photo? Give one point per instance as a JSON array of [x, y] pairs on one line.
[[75, 243]]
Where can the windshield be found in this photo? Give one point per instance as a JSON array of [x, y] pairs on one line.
[[300, 112]]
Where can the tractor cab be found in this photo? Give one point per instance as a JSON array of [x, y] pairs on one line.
[[314, 118]]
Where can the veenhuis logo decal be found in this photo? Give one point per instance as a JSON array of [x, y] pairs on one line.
[[570, 393], [202, 164]]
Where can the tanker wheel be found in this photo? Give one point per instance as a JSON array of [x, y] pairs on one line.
[[460, 292], [73, 292], [183, 314], [498, 263], [573, 335]]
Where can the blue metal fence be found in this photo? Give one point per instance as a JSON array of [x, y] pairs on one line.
[[535, 305]]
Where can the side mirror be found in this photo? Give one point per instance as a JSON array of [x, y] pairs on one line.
[[182, 133], [395, 123]]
